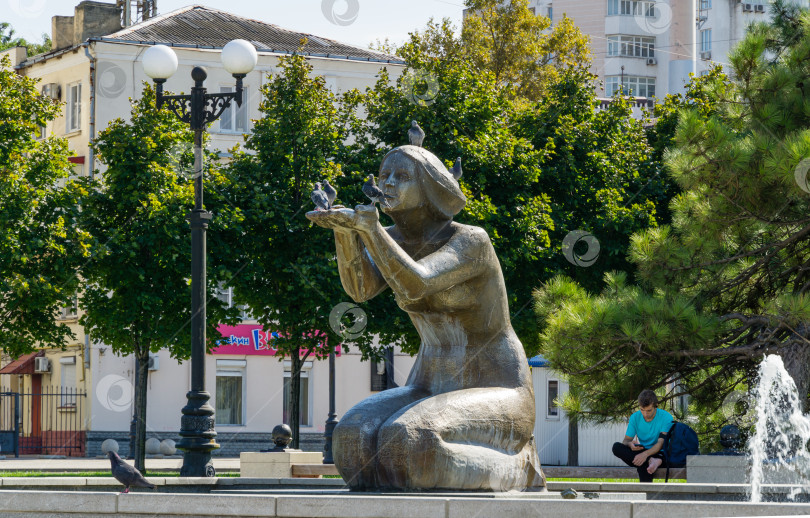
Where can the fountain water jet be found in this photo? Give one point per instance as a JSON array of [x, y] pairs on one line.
[[779, 446]]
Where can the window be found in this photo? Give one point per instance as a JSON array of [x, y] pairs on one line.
[[550, 14], [706, 40], [234, 118], [553, 393], [230, 392], [705, 4], [631, 8], [41, 132], [67, 368], [226, 296], [631, 46], [303, 402], [70, 311], [73, 110], [633, 86]]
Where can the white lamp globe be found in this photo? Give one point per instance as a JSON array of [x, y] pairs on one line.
[[159, 62], [239, 57]]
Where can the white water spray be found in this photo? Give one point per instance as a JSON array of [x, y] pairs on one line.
[[778, 448]]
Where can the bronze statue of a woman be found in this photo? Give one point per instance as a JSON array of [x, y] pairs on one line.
[[465, 417]]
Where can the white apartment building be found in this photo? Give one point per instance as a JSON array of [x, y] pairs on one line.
[[650, 47]]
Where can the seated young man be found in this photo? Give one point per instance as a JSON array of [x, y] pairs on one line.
[[650, 425]]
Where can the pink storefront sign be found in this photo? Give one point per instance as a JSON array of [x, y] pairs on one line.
[[252, 339]]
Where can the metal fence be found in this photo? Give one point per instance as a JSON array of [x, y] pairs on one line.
[[48, 421]]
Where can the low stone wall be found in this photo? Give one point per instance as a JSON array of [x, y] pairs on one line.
[[82, 503], [231, 443]]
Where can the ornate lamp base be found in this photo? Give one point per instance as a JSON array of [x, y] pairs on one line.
[[198, 436]]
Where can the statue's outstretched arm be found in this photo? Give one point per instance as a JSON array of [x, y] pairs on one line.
[[463, 257], [359, 275]]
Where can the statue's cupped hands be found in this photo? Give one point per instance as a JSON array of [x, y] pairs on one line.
[[363, 218]]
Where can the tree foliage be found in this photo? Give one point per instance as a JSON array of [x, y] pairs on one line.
[[41, 244], [533, 171], [727, 281], [7, 41], [286, 269], [521, 49], [137, 295]]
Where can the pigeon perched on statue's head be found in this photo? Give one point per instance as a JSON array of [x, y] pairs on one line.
[[331, 192], [374, 193], [319, 198], [416, 134], [126, 474], [456, 171]]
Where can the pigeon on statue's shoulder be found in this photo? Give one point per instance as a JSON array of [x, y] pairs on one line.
[[456, 171]]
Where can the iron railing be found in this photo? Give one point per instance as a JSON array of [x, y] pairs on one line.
[[48, 421]]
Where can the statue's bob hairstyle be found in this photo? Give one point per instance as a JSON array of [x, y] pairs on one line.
[[441, 190]]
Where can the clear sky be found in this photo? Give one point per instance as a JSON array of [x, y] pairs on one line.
[[358, 22]]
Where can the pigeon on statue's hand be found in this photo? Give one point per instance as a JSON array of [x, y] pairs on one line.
[[331, 192], [456, 171], [416, 134], [319, 198], [374, 193], [126, 474]]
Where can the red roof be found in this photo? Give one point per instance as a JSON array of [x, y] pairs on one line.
[[22, 365]]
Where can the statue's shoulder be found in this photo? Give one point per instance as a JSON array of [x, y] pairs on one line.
[[470, 232]]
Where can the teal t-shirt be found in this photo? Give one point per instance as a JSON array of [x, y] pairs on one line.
[[647, 433]]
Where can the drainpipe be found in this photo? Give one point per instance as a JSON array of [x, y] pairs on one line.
[[92, 59], [91, 166]]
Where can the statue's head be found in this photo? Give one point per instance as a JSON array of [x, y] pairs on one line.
[[416, 178]]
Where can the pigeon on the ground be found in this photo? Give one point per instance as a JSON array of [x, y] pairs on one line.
[[331, 192], [456, 171], [319, 198], [126, 474], [374, 193], [416, 134]]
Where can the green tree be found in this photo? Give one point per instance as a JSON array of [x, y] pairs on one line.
[[726, 282], [137, 296], [41, 243], [7, 41], [533, 172], [286, 270], [521, 49]]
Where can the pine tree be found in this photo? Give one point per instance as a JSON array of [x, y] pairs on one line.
[[727, 281]]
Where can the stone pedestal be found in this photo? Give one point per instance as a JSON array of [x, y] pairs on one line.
[[274, 464], [718, 469]]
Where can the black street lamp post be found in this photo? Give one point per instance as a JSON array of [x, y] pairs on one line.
[[197, 431], [331, 420]]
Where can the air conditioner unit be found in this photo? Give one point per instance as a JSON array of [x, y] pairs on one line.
[[747, 8], [154, 362], [652, 61], [42, 364], [759, 8], [52, 91], [706, 55]]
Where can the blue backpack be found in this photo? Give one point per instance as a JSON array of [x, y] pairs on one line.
[[680, 442]]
